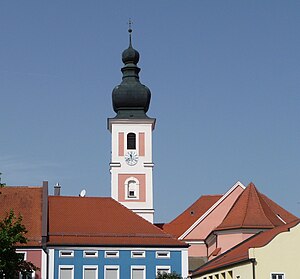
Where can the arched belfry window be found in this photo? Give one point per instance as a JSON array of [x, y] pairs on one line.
[[131, 141], [132, 190]]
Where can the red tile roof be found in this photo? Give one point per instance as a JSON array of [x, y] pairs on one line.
[[254, 210], [101, 221], [25, 201], [186, 219], [239, 253]]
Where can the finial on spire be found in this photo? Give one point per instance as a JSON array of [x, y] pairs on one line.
[[129, 31], [130, 55], [129, 25]]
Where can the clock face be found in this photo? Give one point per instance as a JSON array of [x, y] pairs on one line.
[[131, 158]]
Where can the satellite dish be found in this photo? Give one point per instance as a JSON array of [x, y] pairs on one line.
[[82, 193]]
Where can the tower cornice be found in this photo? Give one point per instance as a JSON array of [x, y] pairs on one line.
[[111, 121]]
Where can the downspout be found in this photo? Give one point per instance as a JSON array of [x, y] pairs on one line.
[[45, 224], [253, 267]]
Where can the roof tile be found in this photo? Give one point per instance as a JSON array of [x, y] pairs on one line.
[[101, 221], [254, 210], [186, 219], [27, 202]]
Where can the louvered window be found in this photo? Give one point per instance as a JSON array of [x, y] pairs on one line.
[[131, 141]]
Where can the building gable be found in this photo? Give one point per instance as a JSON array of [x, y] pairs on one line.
[[214, 215]]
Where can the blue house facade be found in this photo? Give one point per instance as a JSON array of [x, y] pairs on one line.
[[114, 263], [94, 238]]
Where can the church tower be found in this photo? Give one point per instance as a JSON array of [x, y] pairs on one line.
[[131, 131]]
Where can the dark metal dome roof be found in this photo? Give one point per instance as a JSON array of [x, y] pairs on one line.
[[131, 99]]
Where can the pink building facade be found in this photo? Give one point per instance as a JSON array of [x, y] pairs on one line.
[[215, 224]]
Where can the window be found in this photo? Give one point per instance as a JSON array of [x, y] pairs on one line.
[[90, 272], [66, 272], [111, 254], [163, 254], [90, 254], [138, 254], [66, 253], [138, 272], [277, 276], [27, 276], [24, 255], [163, 269], [111, 272], [132, 188], [131, 141]]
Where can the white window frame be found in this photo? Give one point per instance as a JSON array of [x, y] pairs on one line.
[[163, 267], [276, 274], [61, 253], [139, 267], [24, 253], [65, 266], [136, 196], [112, 267], [116, 254], [94, 267], [85, 254], [158, 256], [138, 254], [32, 275]]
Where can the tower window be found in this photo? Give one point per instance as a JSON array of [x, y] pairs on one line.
[[131, 141], [131, 188]]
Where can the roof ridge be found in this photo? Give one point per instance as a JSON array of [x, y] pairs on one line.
[[243, 206], [22, 186], [277, 215], [247, 205], [111, 234], [77, 197], [258, 194]]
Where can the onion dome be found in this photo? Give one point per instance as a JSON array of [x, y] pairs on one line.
[[131, 99]]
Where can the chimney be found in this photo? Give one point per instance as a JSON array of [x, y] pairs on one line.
[[57, 189]]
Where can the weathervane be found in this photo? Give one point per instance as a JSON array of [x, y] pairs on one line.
[[129, 25], [129, 30]]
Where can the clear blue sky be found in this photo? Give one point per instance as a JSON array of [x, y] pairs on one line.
[[224, 77]]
